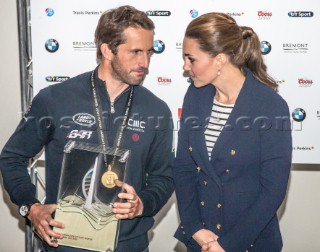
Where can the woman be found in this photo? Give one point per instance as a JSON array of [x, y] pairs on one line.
[[234, 150]]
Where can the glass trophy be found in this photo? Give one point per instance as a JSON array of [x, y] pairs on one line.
[[91, 179]]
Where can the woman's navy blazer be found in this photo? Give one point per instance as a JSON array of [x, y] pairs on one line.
[[237, 193]]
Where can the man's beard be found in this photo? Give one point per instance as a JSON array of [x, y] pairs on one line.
[[119, 73]]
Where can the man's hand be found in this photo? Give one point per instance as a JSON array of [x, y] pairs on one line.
[[213, 246], [204, 236], [40, 216], [130, 209]]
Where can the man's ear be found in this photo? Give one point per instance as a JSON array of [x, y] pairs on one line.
[[106, 52]]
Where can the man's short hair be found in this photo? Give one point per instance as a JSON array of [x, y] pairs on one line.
[[112, 24]]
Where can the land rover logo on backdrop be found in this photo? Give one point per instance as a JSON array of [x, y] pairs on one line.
[[52, 45], [84, 119]]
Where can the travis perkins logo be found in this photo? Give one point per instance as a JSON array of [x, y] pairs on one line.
[[264, 15], [158, 13], [295, 47], [235, 14], [303, 148], [89, 13], [280, 81], [303, 82], [164, 81], [300, 14], [57, 78]]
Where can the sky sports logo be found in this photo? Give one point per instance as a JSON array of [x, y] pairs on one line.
[[158, 13], [300, 14]]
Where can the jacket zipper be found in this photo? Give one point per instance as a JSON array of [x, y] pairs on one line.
[[112, 107]]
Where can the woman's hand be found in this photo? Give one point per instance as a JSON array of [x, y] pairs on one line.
[[212, 246], [203, 236]]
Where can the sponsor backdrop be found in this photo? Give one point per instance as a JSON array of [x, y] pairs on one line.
[[63, 46]]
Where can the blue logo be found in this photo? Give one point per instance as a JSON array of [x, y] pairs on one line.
[[52, 45], [194, 13], [158, 46], [299, 114], [49, 12], [265, 47]]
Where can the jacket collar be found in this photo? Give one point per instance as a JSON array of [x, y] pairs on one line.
[[242, 108]]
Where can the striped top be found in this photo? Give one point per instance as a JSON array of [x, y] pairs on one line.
[[219, 116]]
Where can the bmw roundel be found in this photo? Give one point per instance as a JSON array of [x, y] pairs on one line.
[[299, 114], [158, 46], [52, 45], [49, 12], [265, 47]]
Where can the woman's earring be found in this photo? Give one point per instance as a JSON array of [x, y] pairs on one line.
[[219, 73]]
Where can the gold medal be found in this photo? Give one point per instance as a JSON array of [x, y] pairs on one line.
[[109, 178]]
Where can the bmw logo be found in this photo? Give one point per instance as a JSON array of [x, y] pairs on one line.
[[194, 13], [49, 12], [52, 45], [158, 46], [299, 114], [265, 47]]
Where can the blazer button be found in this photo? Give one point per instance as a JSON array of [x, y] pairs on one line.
[[202, 203], [233, 152], [183, 232], [181, 227], [219, 226], [228, 170], [190, 148], [205, 182], [219, 205], [198, 169]]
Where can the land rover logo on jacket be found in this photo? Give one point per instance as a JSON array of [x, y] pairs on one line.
[[84, 119]]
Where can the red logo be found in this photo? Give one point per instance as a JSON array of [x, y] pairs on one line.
[[164, 81], [264, 15], [179, 112], [135, 137], [305, 82]]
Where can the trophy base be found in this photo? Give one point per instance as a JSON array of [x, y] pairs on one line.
[[86, 229]]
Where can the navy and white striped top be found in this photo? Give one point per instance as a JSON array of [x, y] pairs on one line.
[[219, 116]]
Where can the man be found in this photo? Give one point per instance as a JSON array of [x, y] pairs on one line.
[[124, 39]]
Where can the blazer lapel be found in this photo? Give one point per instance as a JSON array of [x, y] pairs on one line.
[[203, 109], [244, 104]]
